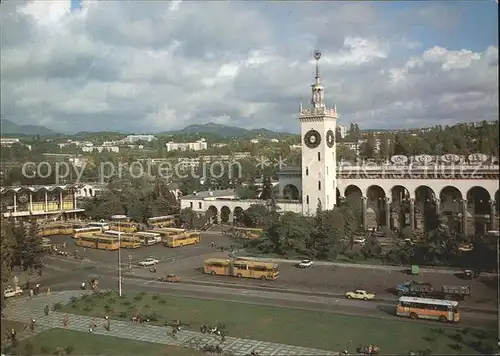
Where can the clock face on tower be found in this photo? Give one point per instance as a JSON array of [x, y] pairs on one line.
[[312, 139], [330, 138]]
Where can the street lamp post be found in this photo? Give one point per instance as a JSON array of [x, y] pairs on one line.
[[118, 218]]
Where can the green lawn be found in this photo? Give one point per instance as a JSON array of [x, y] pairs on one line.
[[80, 343], [289, 326]]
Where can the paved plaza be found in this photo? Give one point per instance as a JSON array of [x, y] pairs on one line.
[[23, 309]]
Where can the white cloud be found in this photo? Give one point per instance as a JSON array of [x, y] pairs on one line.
[[162, 65]]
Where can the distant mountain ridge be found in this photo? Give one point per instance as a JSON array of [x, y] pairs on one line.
[[229, 131], [8, 127]]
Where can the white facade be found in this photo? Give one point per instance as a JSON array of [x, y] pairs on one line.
[[8, 142], [342, 130], [99, 149], [187, 146], [317, 127], [135, 138]]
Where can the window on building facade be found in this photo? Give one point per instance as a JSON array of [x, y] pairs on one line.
[[319, 156], [199, 205], [307, 171], [191, 205], [307, 199], [319, 185]]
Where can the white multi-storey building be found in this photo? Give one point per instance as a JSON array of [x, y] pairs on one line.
[[187, 146], [136, 138]]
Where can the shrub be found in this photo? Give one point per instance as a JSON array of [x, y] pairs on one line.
[[108, 308], [112, 301], [138, 297], [122, 315], [147, 306], [73, 299], [127, 302], [69, 349], [57, 306], [153, 316], [74, 305], [155, 297], [87, 307], [162, 301]]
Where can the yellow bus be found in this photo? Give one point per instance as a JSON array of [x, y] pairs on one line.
[[183, 239], [162, 221], [242, 269], [426, 308], [148, 238], [99, 242], [126, 240], [86, 231], [55, 229], [247, 233], [123, 226]]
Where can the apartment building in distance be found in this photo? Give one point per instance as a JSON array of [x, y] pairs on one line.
[[187, 146], [9, 142]]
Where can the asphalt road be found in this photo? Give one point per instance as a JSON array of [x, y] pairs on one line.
[[250, 294]]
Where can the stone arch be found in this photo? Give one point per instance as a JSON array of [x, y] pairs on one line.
[[375, 212], [479, 210], [451, 208], [290, 191], [237, 214], [400, 207], [354, 194], [212, 213], [339, 196], [351, 190], [426, 209], [225, 213]]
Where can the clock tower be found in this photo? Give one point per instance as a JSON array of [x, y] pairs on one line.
[[317, 127]]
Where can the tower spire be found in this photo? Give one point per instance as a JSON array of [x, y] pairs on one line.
[[317, 100], [317, 56]]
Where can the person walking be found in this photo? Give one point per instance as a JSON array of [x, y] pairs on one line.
[[46, 310], [65, 321], [108, 323], [48, 290]]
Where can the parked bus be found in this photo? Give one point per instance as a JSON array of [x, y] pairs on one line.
[[55, 229], [148, 238], [123, 226], [426, 308], [98, 242], [183, 239], [172, 229], [247, 233], [86, 231], [162, 221], [242, 269], [103, 225], [126, 240]]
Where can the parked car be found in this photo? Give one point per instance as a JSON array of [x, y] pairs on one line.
[[359, 240], [305, 263], [360, 294], [10, 292], [466, 247], [172, 278], [148, 262]]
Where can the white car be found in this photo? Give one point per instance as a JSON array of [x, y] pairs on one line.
[[305, 263], [360, 294], [148, 262], [10, 292], [359, 240]]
